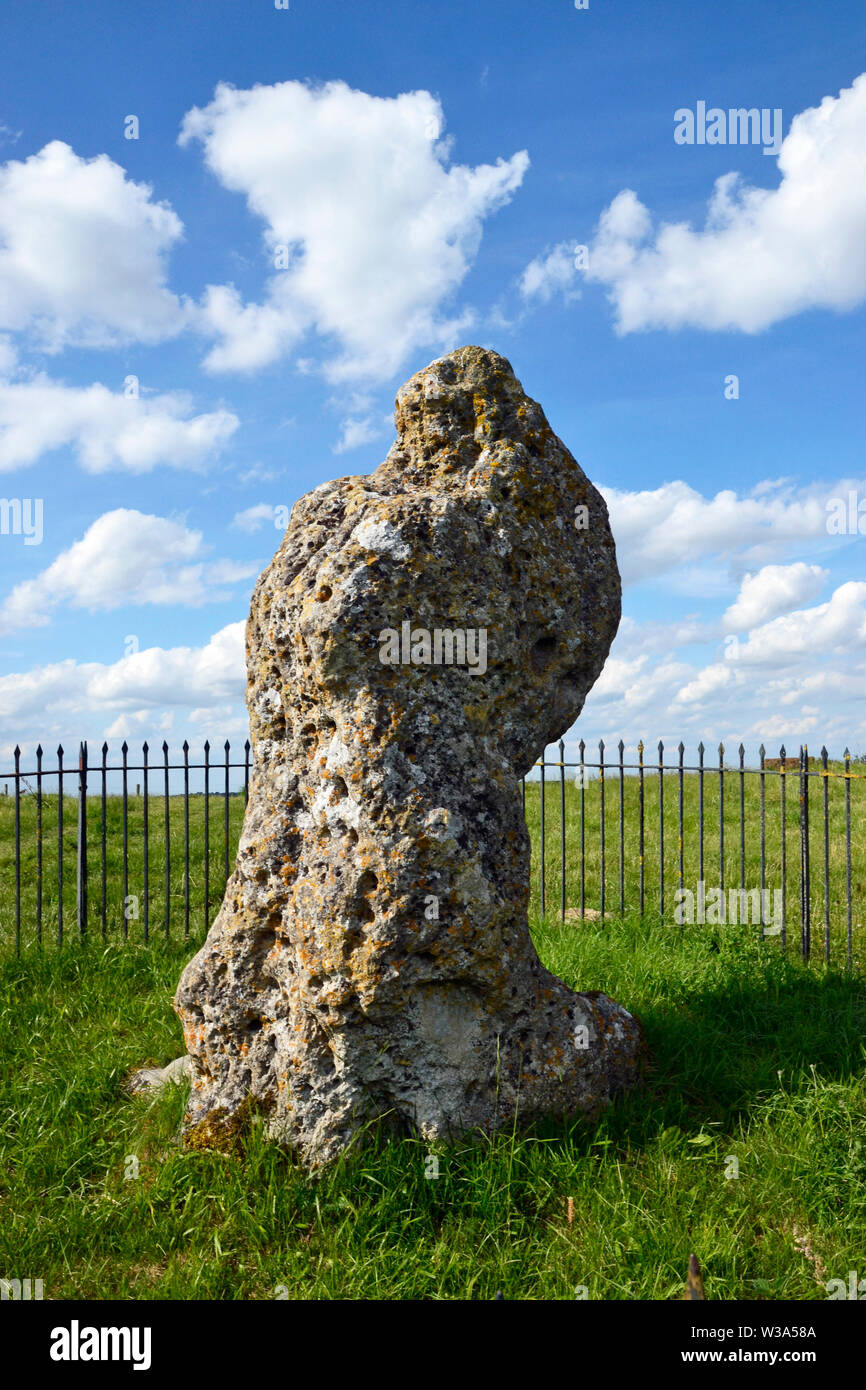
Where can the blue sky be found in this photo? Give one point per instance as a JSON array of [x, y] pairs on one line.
[[431, 169]]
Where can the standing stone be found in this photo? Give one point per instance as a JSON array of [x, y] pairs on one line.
[[372, 956]]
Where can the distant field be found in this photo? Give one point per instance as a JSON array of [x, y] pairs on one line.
[[186, 899]]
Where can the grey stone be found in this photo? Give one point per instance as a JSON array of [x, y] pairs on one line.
[[157, 1078], [372, 957]]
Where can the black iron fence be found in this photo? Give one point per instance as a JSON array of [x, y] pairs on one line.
[[746, 844], [670, 839], [97, 811]]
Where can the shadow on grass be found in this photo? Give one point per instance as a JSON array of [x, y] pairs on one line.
[[730, 1022]]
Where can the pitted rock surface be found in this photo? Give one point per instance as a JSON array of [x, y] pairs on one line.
[[372, 956]]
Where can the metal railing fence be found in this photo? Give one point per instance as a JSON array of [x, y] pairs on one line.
[[627, 831]]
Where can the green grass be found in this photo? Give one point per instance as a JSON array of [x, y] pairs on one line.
[[756, 1057]]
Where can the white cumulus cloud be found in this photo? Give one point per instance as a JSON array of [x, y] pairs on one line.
[[762, 254], [673, 527], [254, 518], [555, 272], [125, 558], [773, 590], [83, 253], [106, 429], [375, 227]]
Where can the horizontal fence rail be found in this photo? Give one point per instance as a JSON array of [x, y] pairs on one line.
[[693, 843]]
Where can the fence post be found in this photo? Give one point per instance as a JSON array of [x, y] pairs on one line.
[[783, 773], [562, 829], [661, 830], [601, 820], [621, 829], [225, 812], [640, 798], [207, 831], [582, 774], [104, 869], [762, 753], [742, 753], [39, 844], [124, 748], [60, 844], [805, 885], [145, 832], [17, 850], [722, 820], [701, 815], [167, 832], [826, 779], [82, 839], [185, 840], [541, 801], [848, 849], [680, 866]]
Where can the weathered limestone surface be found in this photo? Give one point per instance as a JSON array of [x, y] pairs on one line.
[[372, 956], [157, 1078]]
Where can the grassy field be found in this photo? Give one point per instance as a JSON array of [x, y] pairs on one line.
[[747, 1144], [758, 1071]]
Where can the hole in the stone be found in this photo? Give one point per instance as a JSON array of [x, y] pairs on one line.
[[339, 788], [365, 911], [324, 594], [351, 941], [253, 1025], [368, 882], [543, 653], [350, 837]]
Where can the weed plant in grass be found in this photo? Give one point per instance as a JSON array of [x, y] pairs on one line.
[[756, 1058]]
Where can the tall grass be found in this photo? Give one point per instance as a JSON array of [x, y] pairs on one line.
[[756, 1058]]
